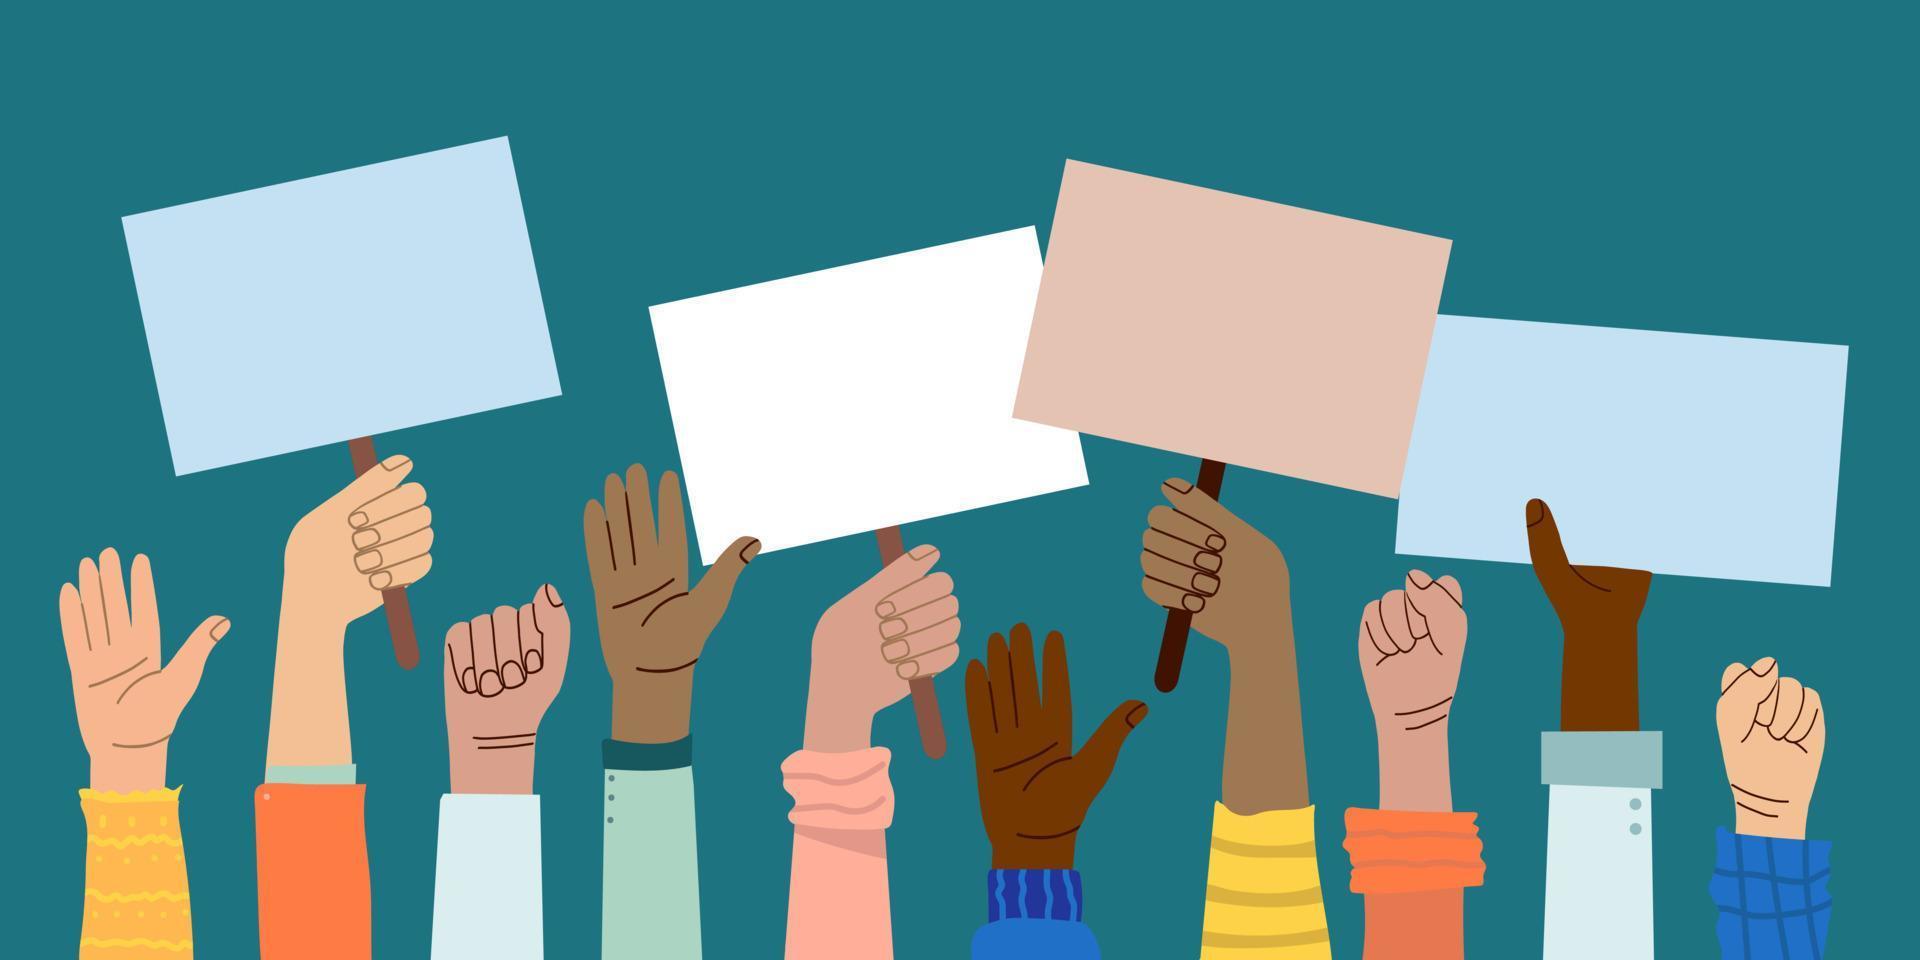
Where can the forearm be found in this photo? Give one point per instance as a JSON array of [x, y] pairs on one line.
[[130, 769], [490, 765], [1265, 765], [1415, 768], [136, 876], [486, 885], [1600, 681], [653, 707], [650, 885], [838, 902], [308, 725]]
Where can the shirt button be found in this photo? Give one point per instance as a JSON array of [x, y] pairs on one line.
[[609, 797], [609, 778], [609, 819], [1633, 804], [1633, 828]]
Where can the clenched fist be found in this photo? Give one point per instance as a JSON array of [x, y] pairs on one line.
[[1412, 642], [1773, 732], [126, 701], [902, 623], [503, 670], [1034, 787]]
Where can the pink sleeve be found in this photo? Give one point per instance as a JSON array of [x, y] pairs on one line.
[[837, 903]]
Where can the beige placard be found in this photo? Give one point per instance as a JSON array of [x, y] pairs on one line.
[[1233, 329]]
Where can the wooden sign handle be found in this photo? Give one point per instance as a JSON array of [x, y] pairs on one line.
[[406, 649], [926, 700], [1173, 642]]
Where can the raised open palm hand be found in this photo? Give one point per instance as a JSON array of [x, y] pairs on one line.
[[126, 701], [1034, 789], [652, 618]]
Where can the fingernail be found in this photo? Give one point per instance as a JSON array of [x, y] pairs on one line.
[[1763, 666], [467, 682], [357, 519], [893, 651], [1179, 486], [1216, 542], [908, 670], [553, 596], [1207, 561], [1419, 579], [892, 628], [365, 538], [1536, 509], [512, 675], [924, 551], [748, 552], [884, 608], [367, 562], [490, 683], [1137, 714], [1192, 603], [220, 629], [534, 662], [395, 462], [1206, 583], [381, 580]]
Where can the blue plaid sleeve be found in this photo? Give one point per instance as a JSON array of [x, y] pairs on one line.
[[1772, 895]]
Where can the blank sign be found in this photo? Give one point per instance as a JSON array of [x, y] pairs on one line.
[[1670, 452], [860, 397], [341, 306]]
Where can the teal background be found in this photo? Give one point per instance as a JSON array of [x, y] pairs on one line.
[[1734, 170]]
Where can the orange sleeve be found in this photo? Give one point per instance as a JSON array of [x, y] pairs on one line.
[[1413, 868], [315, 896]]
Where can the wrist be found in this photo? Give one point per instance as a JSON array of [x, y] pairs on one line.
[[1024, 853], [1415, 769], [1762, 816], [834, 728], [130, 769], [491, 764], [653, 707], [1600, 679]]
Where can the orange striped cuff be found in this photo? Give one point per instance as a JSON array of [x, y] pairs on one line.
[[1405, 851]]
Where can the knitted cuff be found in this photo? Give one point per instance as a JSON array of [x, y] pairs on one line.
[[840, 791], [1034, 895], [1403, 851]]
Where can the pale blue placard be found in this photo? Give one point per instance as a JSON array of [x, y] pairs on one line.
[[1681, 454], [341, 306]]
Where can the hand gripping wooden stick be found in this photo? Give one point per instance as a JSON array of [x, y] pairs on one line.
[[406, 649], [1173, 642], [926, 700]]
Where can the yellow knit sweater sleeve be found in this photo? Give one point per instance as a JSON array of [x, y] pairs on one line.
[[136, 898], [1263, 889]]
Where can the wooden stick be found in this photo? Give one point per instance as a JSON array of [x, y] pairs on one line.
[[1173, 641], [926, 700], [406, 649]]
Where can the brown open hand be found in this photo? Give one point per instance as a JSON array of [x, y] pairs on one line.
[[1599, 609], [1034, 790], [653, 620]]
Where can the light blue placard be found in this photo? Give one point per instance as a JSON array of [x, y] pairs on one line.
[[1681, 454], [341, 306]]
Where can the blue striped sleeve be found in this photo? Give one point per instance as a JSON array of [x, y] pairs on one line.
[[1772, 895], [1035, 913]]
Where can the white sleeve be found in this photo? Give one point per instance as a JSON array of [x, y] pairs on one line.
[[1599, 843], [486, 881]]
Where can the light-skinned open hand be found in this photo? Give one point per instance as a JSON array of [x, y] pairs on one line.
[[902, 623], [126, 700], [503, 670], [1035, 789], [1773, 733], [1412, 643], [654, 620]]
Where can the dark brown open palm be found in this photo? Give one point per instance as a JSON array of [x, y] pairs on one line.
[[1034, 789]]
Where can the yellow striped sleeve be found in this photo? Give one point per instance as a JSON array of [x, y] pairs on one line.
[[136, 893], [1263, 889]]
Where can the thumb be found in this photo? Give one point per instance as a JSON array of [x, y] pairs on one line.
[[1548, 554], [1743, 689], [1438, 603], [1095, 760], [181, 675], [1195, 503], [716, 587], [385, 476], [905, 569]]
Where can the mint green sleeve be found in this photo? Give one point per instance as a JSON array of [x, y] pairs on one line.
[[650, 898]]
